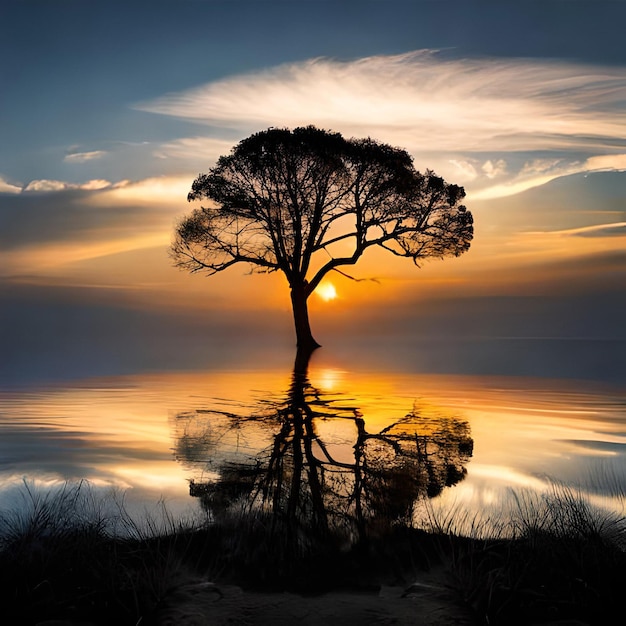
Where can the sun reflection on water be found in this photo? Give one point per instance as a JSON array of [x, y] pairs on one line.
[[123, 432]]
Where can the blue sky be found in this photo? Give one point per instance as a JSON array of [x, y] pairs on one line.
[[74, 71], [108, 110]]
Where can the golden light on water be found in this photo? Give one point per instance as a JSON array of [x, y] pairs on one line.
[[151, 433], [326, 291], [329, 378]]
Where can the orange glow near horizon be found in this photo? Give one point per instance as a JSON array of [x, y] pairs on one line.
[[136, 269]]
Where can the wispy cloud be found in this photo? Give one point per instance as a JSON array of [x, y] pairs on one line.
[[205, 149], [82, 157], [541, 171], [424, 101], [616, 229], [45, 185], [472, 120], [56, 256], [57, 224]]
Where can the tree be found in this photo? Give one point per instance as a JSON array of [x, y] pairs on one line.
[[307, 202]]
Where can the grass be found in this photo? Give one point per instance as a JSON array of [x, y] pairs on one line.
[[74, 555], [71, 554], [552, 557]]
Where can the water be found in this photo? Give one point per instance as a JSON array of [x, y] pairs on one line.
[[380, 441]]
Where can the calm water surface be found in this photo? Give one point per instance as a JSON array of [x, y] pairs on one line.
[[156, 436]]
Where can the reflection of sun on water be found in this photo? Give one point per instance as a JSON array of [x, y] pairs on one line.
[[328, 378], [326, 291]]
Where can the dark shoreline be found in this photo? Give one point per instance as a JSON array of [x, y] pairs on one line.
[[55, 567]]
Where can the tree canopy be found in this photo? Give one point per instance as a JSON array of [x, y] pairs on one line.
[[307, 201]]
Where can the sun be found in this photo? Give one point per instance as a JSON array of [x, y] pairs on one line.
[[326, 291]]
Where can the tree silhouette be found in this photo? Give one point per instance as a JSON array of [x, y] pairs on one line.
[[304, 482], [306, 202]]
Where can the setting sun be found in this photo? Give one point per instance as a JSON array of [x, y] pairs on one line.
[[326, 291]]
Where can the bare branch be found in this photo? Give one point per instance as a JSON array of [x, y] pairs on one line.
[[358, 280]]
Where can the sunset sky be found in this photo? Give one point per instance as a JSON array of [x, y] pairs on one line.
[[109, 110]]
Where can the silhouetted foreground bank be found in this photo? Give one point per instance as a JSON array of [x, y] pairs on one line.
[[65, 558]]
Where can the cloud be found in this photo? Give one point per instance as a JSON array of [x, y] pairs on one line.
[[541, 171], [422, 100], [452, 112], [6, 187], [55, 226], [163, 190], [95, 184], [493, 169], [540, 166], [207, 149], [82, 157], [617, 229], [607, 163], [45, 186], [70, 224], [466, 169]]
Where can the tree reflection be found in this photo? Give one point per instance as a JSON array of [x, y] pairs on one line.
[[279, 458]]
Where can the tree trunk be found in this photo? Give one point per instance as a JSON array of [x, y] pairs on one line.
[[304, 337]]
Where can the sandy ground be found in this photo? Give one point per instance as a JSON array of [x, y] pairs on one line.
[[425, 603]]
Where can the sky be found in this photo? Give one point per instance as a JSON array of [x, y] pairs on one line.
[[109, 110]]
